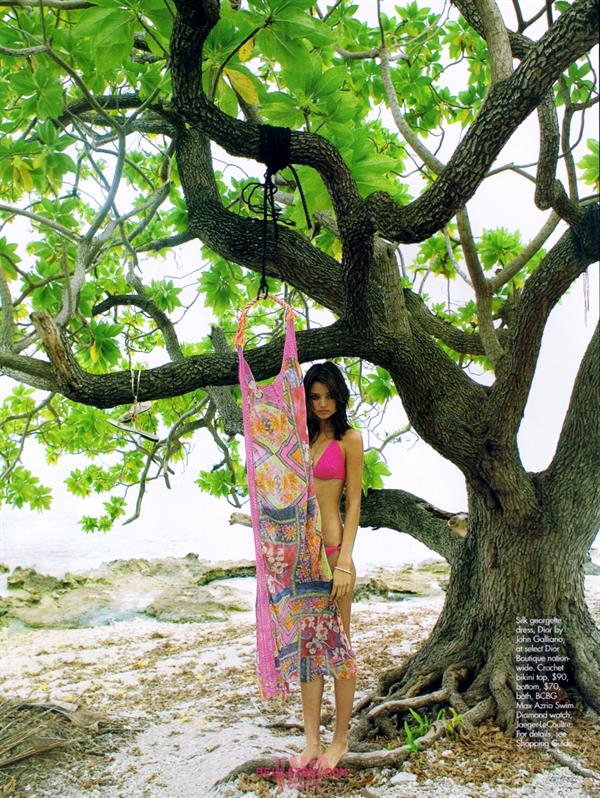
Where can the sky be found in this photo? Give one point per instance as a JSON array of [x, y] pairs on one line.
[[506, 200]]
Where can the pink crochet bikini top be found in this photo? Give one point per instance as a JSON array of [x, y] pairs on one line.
[[331, 464]]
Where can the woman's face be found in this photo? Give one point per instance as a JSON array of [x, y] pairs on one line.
[[322, 402]]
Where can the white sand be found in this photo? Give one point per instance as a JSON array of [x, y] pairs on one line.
[[191, 691]]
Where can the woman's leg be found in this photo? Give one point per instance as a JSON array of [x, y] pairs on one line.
[[344, 688], [312, 696]]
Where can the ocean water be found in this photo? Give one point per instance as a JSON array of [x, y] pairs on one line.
[[53, 543]]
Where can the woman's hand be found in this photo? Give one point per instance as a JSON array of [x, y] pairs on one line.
[[342, 582]]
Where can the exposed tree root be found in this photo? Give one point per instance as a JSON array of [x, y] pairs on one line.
[[409, 695], [587, 672], [572, 764], [379, 758], [476, 690], [404, 703], [364, 703], [391, 677], [416, 686], [505, 700], [296, 725], [450, 682]]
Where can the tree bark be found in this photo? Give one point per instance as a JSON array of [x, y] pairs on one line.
[[505, 570]]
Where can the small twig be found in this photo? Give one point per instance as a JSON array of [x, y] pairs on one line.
[[142, 488], [35, 217]]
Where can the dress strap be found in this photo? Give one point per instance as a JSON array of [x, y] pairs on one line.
[[290, 340]]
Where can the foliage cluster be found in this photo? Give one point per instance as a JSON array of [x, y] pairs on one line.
[[78, 168]]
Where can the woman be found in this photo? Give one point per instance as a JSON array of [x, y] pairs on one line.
[[337, 455]]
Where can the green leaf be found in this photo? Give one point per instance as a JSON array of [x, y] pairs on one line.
[[590, 165], [499, 247], [23, 83], [379, 387], [220, 290], [165, 294], [374, 470], [111, 31], [331, 81], [100, 348], [216, 483]]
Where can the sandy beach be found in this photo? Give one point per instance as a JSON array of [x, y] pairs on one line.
[[179, 710]]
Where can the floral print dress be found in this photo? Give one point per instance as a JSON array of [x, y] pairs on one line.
[[299, 633]]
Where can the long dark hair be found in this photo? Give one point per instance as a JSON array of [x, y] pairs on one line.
[[329, 374]]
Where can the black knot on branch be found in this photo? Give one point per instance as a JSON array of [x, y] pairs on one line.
[[274, 152], [274, 148]]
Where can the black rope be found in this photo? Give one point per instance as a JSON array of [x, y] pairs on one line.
[[274, 152]]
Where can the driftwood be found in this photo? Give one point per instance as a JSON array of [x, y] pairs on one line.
[[572, 764], [23, 736], [26, 728]]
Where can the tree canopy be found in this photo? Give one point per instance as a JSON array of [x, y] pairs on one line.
[[123, 122], [112, 110]]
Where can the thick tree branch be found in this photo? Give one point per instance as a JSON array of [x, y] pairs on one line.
[[550, 192], [566, 148], [290, 257], [23, 51], [508, 104], [480, 285], [459, 340], [397, 509], [496, 36], [108, 102], [173, 379], [30, 370], [519, 44], [222, 397], [192, 26], [567, 259], [7, 317], [574, 473], [157, 119], [548, 159], [147, 124]]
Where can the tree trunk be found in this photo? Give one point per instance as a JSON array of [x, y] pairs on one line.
[[508, 571]]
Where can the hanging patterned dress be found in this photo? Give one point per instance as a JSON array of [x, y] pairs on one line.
[[299, 633]]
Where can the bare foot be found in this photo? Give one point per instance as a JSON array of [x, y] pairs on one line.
[[311, 751], [335, 751]]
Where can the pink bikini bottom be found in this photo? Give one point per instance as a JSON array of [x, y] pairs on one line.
[[330, 549]]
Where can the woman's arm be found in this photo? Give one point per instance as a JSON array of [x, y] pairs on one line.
[[353, 447]]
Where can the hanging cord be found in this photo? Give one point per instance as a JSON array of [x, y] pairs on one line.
[[274, 151], [586, 296], [135, 376], [135, 391]]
